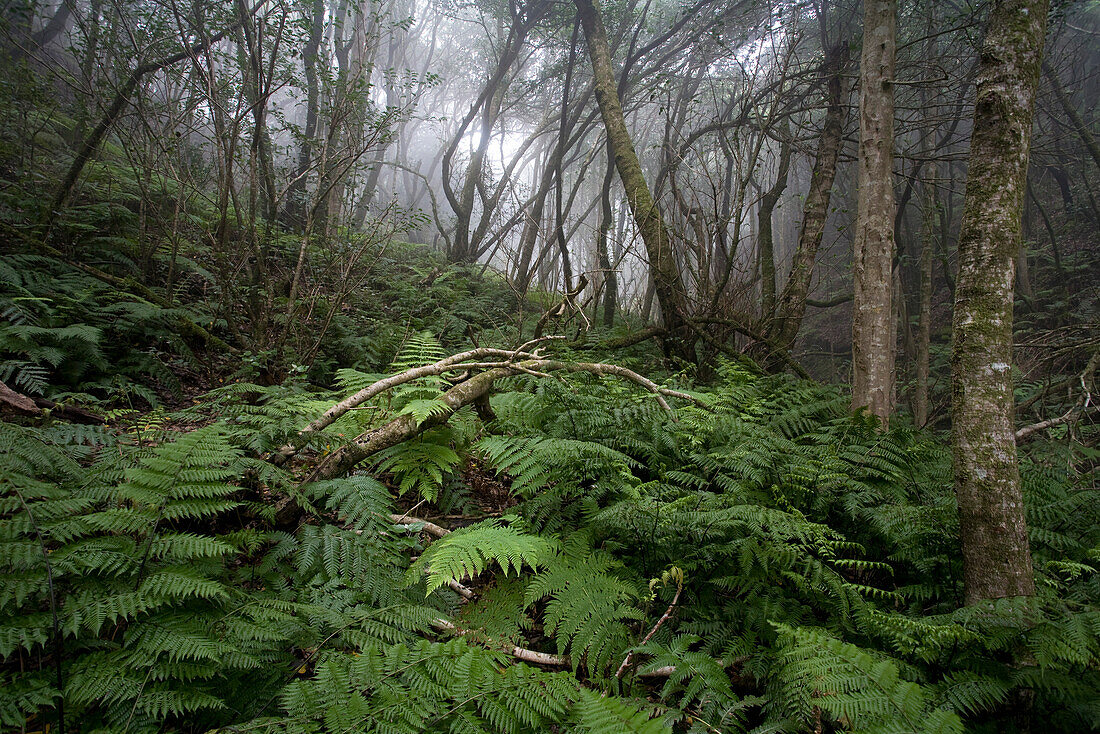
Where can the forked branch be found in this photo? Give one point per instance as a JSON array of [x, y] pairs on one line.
[[497, 364]]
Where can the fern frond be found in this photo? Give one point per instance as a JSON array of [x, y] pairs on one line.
[[469, 551]]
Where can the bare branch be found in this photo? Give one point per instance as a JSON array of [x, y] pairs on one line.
[[1073, 414]]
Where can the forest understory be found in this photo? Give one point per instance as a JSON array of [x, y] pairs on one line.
[[524, 366]]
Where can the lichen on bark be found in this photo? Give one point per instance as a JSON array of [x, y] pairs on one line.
[[996, 556]]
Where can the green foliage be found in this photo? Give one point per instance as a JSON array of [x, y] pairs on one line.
[[820, 567], [421, 464], [588, 603], [62, 330], [862, 693], [468, 552], [424, 687], [597, 714]]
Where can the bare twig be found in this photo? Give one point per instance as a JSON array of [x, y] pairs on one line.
[[648, 637]]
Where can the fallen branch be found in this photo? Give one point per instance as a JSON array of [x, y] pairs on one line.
[[563, 661], [520, 653], [1074, 413], [28, 406], [448, 364], [404, 521], [465, 592], [17, 401], [405, 427], [467, 392], [432, 529]]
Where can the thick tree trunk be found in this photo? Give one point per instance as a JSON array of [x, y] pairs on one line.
[[668, 283], [873, 348], [996, 557]]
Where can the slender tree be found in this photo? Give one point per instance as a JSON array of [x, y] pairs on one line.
[[996, 557], [791, 305], [668, 282]]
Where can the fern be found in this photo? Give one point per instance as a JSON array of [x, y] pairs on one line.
[[859, 691], [426, 687], [467, 552], [422, 464], [597, 714], [589, 604]]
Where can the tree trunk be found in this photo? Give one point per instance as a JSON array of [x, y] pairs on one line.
[[121, 99], [924, 318], [792, 302], [764, 229], [668, 283], [559, 183], [873, 257], [296, 200], [1078, 122], [603, 231], [488, 105], [996, 557]]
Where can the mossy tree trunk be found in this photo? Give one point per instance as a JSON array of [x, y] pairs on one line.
[[996, 557], [873, 316], [667, 280]]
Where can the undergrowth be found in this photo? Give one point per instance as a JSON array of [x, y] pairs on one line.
[[150, 584]]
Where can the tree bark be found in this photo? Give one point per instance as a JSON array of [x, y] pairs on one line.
[[668, 282], [792, 301], [996, 556], [924, 318], [765, 238], [873, 257], [610, 278]]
